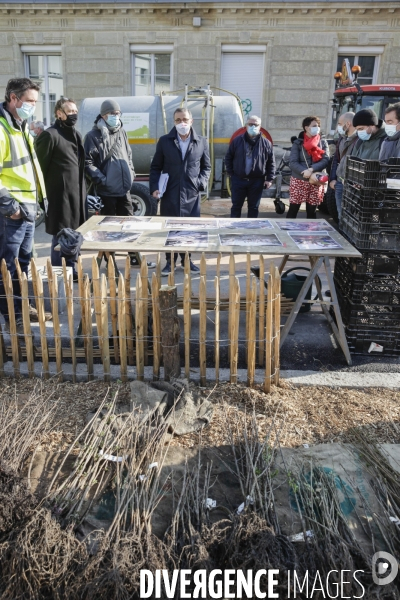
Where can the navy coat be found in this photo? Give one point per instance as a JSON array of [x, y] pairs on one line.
[[263, 159], [187, 178]]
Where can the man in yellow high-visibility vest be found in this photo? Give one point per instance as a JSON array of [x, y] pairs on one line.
[[21, 185]]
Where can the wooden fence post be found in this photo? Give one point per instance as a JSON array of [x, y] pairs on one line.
[[277, 324], [69, 291], [251, 342], [128, 311], [56, 326], [234, 332], [139, 329], [269, 330], [217, 327], [122, 327], [30, 356], [186, 322], [156, 327], [261, 314], [170, 331], [36, 277], [15, 345], [89, 328], [144, 272], [113, 306], [104, 327], [203, 330]]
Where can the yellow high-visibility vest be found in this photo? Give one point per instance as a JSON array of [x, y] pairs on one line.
[[17, 176]]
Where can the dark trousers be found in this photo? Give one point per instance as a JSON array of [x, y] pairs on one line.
[[120, 206], [311, 211], [182, 255], [242, 189], [16, 241], [56, 256]]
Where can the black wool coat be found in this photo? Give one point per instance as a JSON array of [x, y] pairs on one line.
[[187, 178], [62, 158]]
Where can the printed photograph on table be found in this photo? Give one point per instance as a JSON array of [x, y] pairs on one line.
[[251, 239], [299, 226], [314, 241], [142, 225], [197, 239], [111, 236], [118, 221], [245, 224], [191, 223]]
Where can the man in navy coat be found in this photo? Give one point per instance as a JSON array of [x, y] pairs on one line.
[[184, 156]]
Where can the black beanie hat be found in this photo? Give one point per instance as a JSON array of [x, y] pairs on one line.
[[365, 117]]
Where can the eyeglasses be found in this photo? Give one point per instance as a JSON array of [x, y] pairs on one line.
[[116, 113], [255, 124], [27, 101], [182, 121]]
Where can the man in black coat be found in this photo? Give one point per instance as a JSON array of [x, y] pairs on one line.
[[250, 163], [184, 156], [62, 158]]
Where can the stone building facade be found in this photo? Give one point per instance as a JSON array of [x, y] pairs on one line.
[[285, 53]]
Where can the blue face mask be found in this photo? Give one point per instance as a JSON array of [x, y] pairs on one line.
[[113, 120], [253, 129], [363, 134], [25, 111], [314, 130]]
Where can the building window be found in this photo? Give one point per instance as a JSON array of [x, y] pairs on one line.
[[367, 58], [44, 66], [151, 70]]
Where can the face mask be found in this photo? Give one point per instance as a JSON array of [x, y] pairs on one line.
[[183, 128], [340, 130], [33, 134], [363, 135], [71, 120], [25, 111], [390, 129], [314, 130], [113, 120], [253, 129]]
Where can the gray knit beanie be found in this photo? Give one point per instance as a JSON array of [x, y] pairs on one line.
[[109, 106]]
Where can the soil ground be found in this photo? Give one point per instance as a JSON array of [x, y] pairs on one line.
[[298, 415]]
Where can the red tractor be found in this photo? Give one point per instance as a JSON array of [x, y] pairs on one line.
[[349, 95]]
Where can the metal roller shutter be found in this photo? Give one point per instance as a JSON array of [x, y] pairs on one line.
[[243, 74]]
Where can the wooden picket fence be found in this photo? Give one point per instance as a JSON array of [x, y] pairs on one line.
[[120, 323]]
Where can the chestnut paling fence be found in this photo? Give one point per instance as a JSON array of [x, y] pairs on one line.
[[120, 321]]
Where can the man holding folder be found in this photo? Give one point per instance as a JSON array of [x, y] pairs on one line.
[[184, 157]]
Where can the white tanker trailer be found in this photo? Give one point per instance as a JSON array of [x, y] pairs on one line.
[[147, 118]]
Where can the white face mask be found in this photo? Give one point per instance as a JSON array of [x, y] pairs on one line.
[[314, 130], [183, 128], [340, 130], [390, 129]]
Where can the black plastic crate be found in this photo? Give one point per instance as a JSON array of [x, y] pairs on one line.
[[360, 340], [371, 173], [377, 207], [372, 264], [373, 316], [370, 198], [369, 235], [367, 289]]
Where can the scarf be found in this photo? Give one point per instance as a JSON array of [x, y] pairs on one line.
[[312, 148], [105, 133]]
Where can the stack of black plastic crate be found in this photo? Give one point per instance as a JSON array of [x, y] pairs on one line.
[[368, 288]]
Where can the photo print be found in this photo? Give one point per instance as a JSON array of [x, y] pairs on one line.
[[314, 241], [111, 236], [304, 226], [249, 239], [245, 224], [191, 239], [191, 224]]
